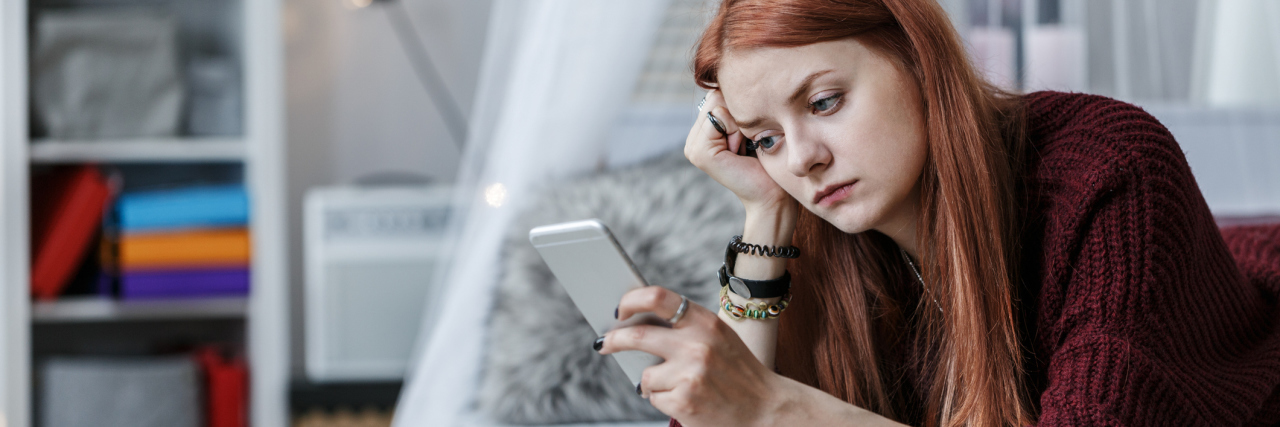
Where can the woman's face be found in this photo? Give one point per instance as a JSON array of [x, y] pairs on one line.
[[840, 128]]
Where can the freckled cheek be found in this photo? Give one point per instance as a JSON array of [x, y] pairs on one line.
[[857, 145], [882, 142], [887, 163]]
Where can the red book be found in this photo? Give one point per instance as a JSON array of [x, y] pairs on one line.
[[67, 208], [226, 389]]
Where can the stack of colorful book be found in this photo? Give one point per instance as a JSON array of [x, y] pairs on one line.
[[190, 242]]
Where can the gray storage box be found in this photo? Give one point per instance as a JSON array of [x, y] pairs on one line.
[[102, 73], [120, 392]]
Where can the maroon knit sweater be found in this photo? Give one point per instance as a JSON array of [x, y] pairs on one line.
[[1137, 311]]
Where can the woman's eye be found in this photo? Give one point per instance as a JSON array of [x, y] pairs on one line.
[[767, 143], [825, 104]]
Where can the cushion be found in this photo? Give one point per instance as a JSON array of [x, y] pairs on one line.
[[672, 219]]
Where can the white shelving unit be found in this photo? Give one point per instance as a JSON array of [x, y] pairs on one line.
[[140, 150], [94, 309], [260, 152]]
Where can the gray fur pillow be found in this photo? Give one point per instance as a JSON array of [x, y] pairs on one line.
[[672, 219]]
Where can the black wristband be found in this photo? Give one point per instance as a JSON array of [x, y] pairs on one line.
[[747, 288], [763, 250]]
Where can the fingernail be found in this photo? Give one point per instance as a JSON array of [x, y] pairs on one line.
[[599, 344], [615, 312], [638, 391]]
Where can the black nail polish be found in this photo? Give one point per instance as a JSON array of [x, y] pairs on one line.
[[638, 391], [598, 344], [615, 312]]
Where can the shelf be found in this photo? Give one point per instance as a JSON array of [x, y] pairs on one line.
[[139, 150], [96, 309], [305, 395]]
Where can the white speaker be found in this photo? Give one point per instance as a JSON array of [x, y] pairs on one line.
[[370, 256]]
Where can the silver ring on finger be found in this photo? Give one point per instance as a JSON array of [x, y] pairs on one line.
[[684, 306]]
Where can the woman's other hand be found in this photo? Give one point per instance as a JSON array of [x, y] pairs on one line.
[[720, 156], [710, 377]]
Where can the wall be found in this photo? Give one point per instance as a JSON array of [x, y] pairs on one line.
[[355, 106]]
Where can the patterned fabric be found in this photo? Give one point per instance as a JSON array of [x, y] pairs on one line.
[[1144, 312]]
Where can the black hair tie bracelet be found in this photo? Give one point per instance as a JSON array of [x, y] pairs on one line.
[[763, 250]]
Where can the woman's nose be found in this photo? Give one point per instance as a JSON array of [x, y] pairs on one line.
[[807, 153]]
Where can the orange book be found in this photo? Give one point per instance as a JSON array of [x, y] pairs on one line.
[[185, 249]]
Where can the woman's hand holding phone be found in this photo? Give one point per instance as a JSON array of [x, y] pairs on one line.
[[709, 376], [723, 158]]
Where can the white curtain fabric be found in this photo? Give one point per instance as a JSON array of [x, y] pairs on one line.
[[1237, 53], [555, 76]]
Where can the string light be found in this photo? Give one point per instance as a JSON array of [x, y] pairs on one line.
[[495, 194], [357, 4]]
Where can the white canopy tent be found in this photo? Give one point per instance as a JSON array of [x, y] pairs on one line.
[[556, 76]]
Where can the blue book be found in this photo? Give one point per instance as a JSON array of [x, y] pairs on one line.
[[194, 207]]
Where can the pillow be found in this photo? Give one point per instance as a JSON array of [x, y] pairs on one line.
[[672, 219]]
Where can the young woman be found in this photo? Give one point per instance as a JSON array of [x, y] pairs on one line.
[[967, 256]]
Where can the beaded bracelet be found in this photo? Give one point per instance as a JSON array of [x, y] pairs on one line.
[[763, 250], [753, 310]]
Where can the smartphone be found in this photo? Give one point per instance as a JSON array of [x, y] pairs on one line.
[[596, 272]]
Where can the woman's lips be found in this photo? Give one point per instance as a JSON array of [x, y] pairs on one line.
[[836, 195]]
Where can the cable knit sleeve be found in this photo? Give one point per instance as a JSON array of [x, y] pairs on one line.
[[1145, 318]]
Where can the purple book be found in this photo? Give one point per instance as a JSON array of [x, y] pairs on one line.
[[192, 283]]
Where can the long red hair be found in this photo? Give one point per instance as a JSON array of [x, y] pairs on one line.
[[847, 319]]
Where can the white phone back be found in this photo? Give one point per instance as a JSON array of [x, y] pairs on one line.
[[595, 272]]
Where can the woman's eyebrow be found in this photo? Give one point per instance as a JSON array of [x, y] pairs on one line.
[[804, 86], [794, 98]]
